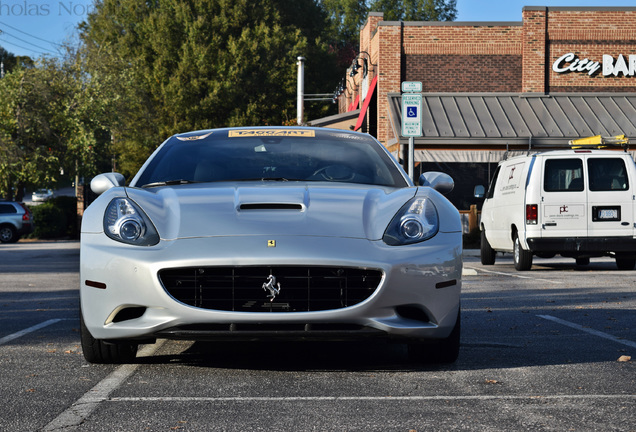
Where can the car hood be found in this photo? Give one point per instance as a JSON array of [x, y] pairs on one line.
[[354, 211]]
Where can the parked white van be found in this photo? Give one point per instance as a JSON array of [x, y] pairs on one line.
[[576, 203]]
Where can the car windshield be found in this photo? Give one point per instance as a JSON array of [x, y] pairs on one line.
[[271, 155]]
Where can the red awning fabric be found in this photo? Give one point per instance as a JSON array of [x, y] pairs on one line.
[[354, 104], [365, 104]]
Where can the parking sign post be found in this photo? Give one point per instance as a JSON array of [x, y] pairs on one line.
[[411, 118]]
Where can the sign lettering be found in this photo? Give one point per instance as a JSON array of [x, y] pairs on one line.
[[411, 115], [570, 62]]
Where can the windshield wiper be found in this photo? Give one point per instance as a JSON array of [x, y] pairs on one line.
[[280, 179], [168, 183]]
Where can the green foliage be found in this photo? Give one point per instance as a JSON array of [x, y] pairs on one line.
[[48, 123], [345, 19], [50, 221], [147, 70], [347, 16], [172, 66], [11, 61], [55, 218], [416, 10]]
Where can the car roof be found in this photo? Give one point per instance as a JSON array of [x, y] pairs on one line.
[[569, 152]]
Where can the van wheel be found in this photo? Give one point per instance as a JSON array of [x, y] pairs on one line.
[[487, 254], [98, 351], [583, 261], [522, 257], [625, 263]]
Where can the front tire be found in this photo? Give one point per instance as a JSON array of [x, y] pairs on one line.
[[488, 254], [98, 351], [522, 257], [442, 351]]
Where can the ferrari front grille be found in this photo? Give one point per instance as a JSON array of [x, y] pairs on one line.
[[270, 289]]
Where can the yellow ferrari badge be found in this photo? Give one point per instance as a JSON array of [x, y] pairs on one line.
[[268, 133], [271, 243]]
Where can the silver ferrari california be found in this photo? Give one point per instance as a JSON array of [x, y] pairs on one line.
[[269, 233]]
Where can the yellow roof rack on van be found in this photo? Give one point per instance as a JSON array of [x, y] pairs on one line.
[[598, 141]]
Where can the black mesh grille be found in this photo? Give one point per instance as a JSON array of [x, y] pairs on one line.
[[302, 289]]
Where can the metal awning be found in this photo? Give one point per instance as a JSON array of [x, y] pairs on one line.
[[497, 121]]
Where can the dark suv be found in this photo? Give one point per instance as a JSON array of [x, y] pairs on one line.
[[16, 220]]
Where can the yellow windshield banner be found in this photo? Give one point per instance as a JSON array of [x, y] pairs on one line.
[[271, 133]]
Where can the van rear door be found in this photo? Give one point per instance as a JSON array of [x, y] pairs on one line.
[[563, 206], [610, 197]]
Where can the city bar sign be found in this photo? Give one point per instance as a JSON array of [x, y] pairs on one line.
[[570, 62]]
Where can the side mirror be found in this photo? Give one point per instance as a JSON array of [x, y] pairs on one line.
[[480, 191], [103, 182], [442, 183]]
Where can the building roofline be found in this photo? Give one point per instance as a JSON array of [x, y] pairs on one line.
[[514, 119], [450, 23], [503, 23], [523, 95], [581, 8]]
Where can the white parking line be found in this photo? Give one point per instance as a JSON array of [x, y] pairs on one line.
[[365, 398], [84, 406], [514, 275], [21, 333], [590, 331]]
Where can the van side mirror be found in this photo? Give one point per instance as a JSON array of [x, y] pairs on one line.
[[442, 183], [102, 182], [480, 191]]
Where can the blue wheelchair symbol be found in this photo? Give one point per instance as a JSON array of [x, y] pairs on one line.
[[411, 112]]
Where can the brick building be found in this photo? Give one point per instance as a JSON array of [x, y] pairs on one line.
[[561, 73]]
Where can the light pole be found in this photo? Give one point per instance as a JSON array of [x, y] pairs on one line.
[[300, 109]]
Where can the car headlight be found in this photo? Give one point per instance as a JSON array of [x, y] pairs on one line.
[[416, 221], [125, 222]]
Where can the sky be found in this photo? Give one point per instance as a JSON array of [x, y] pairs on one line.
[[38, 27]]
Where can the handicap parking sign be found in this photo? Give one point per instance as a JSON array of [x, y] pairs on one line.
[[411, 117]]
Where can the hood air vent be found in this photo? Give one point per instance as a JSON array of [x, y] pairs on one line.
[[271, 206]]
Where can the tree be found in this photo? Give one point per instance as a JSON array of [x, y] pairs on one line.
[[47, 124], [416, 10], [11, 61], [347, 16], [173, 66]]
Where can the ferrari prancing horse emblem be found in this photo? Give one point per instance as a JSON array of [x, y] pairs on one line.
[[271, 243], [272, 287]]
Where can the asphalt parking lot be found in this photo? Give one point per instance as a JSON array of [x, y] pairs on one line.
[[551, 349]]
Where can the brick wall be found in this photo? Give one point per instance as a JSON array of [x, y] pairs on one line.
[[590, 34], [492, 57], [534, 49], [465, 73], [389, 46]]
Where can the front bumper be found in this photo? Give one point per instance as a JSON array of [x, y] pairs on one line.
[[582, 245], [417, 298]]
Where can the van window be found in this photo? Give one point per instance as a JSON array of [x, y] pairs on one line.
[[607, 174], [491, 188], [563, 175]]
